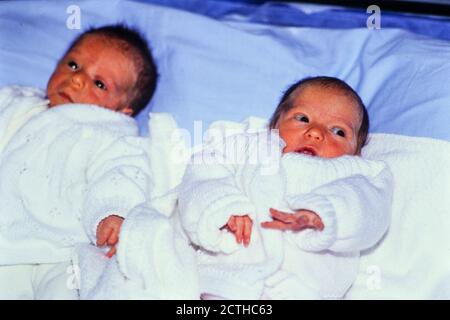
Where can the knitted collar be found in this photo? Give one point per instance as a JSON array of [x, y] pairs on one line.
[[95, 115]]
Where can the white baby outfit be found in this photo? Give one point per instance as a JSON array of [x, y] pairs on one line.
[[62, 171], [239, 176]]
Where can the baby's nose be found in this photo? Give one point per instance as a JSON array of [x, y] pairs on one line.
[[78, 80], [315, 133]]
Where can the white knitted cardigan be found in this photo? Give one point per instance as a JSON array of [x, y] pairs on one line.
[[352, 196], [62, 171]]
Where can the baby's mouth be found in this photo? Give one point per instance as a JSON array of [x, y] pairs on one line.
[[65, 96], [307, 150]]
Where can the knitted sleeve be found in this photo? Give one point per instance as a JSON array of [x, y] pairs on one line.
[[355, 210], [215, 187], [118, 179]]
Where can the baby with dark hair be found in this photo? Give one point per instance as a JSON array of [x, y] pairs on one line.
[[110, 66], [294, 231], [73, 165]]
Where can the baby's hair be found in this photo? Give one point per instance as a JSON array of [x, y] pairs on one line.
[[134, 44], [286, 102]]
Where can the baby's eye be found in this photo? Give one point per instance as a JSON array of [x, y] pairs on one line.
[[72, 65], [338, 131], [100, 84], [302, 118]]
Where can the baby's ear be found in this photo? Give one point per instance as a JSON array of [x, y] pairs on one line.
[[127, 110]]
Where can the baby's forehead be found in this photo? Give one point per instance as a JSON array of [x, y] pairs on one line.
[[324, 92], [114, 48], [104, 41], [317, 88], [322, 97]]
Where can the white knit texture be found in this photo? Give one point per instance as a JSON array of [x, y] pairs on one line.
[[153, 260], [231, 184], [63, 170], [354, 206]]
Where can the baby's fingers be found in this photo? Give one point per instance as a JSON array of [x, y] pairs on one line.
[[231, 224], [278, 225], [239, 233], [103, 234], [307, 219], [318, 224], [247, 231], [281, 216], [113, 237], [111, 252]]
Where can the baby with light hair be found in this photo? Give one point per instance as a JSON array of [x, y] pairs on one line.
[[296, 232]]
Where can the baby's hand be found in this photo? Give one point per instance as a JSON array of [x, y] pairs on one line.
[[108, 233], [241, 226], [300, 220]]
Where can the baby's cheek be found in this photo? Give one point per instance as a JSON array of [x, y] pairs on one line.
[[93, 98], [352, 149]]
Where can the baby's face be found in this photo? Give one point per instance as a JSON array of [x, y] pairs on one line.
[[323, 123], [95, 71]]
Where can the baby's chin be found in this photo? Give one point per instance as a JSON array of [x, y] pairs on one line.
[[52, 104], [54, 101]]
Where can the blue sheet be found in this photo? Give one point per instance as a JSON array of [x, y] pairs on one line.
[[287, 14], [224, 70]]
